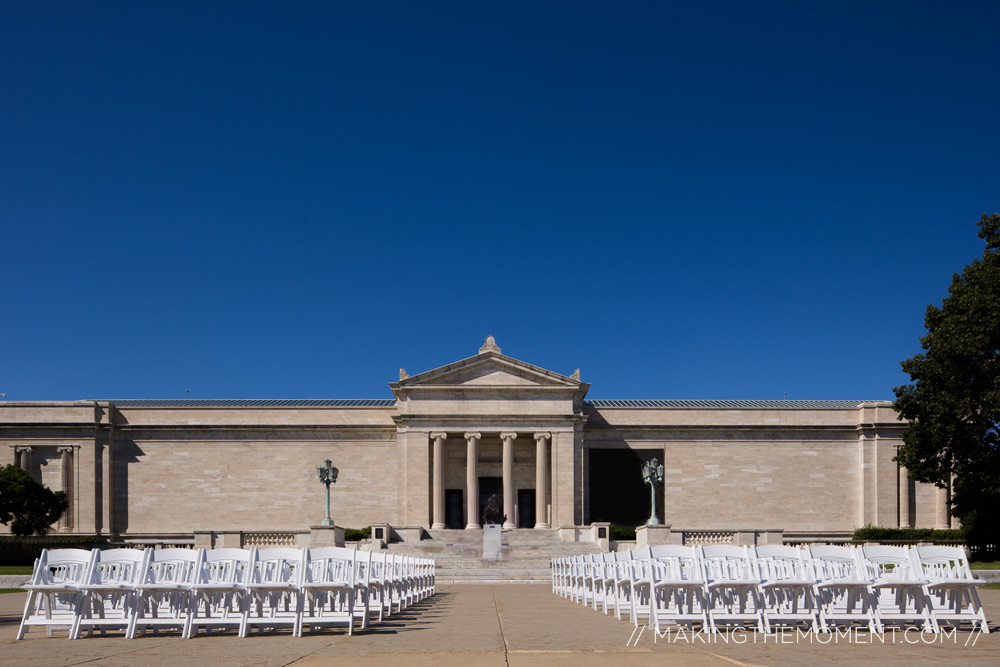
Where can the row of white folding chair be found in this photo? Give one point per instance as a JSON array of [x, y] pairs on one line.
[[935, 580], [236, 588], [822, 587]]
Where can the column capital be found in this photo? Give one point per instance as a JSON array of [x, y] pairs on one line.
[[66, 449], [437, 435], [508, 434], [22, 448], [472, 436], [543, 436]]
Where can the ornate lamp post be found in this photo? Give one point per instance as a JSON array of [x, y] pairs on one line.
[[652, 472], [328, 475]]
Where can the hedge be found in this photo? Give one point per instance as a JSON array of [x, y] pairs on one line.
[[24, 550], [621, 533], [357, 534], [872, 533]]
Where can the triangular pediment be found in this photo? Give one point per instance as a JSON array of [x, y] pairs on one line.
[[489, 369], [488, 382]]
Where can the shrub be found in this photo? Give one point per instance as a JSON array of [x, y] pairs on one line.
[[357, 534], [24, 550], [621, 533], [872, 533]]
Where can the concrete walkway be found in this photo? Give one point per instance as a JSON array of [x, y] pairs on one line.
[[493, 625]]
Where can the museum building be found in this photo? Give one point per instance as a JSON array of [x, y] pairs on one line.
[[452, 437]]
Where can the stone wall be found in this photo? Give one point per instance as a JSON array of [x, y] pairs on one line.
[[165, 485]]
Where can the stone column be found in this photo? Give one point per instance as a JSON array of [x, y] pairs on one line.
[[22, 455], [437, 520], [541, 479], [904, 498], [941, 508], [471, 481], [66, 464], [508, 479]]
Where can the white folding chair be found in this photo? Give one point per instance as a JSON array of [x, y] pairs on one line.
[[619, 584], [635, 582], [379, 593], [733, 587], [609, 575], [164, 594], [951, 588], [362, 589], [108, 595], [843, 588], [677, 593], [898, 586], [220, 593], [274, 597], [54, 589], [328, 585], [788, 584]]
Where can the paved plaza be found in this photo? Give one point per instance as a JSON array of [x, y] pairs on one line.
[[494, 625]]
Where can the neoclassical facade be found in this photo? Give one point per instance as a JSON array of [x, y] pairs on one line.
[[452, 437]]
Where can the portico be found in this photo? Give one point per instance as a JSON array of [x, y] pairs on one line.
[[439, 516], [512, 420]]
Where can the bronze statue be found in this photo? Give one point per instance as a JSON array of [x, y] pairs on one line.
[[492, 513]]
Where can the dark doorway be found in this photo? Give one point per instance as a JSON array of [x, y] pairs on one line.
[[525, 508], [617, 492], [453, 508], [487, 487]]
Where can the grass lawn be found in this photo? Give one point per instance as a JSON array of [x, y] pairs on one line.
[[15, 569], [11, 590], [992, 586], [985, 565]]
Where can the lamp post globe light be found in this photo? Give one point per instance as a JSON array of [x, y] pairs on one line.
[[327, 475], [652, 473]]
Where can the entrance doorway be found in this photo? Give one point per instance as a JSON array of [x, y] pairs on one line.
[[525, 508], [453, 508], [487, 487]]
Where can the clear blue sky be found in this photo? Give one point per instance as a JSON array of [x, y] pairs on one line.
[[292, 200]]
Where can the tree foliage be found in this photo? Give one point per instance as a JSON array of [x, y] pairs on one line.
[[26, 505], [953, 405]]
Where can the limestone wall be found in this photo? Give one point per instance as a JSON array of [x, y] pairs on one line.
[[180, 485]]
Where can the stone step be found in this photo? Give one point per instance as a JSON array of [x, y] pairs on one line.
[[526, 555]]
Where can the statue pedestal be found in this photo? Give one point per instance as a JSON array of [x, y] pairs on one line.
[[491, 541], [648, 536], [326, 536]]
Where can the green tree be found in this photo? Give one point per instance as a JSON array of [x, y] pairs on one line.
[[26, 505], [953, 405]]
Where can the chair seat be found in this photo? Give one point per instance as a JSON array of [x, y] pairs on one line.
[[743, 583], [841, 583], [52, 588], [955, 583], [788, 583], [896, 583]]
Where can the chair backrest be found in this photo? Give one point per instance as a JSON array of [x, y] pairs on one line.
[[225, 566], [329, 565], [277, 565], [673, 562], [944, 563], [727, 562], [889, 562], [118, 566], [378, 567], [779, 562], [173, 566], [362, 567], [61, 566], [834, 562]]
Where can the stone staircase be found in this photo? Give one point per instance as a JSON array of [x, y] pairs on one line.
[[526, 555]]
